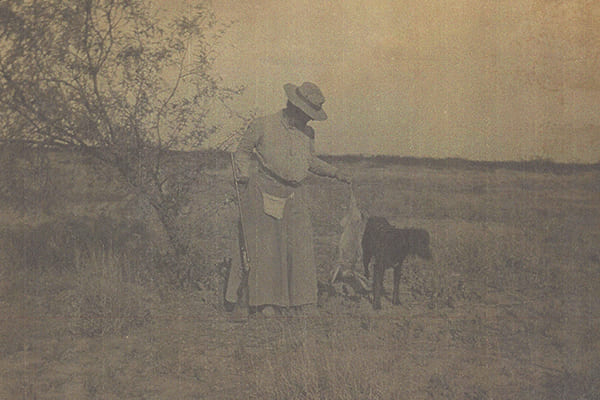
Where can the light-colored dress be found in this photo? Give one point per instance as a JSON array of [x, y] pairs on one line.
[[277, 157]]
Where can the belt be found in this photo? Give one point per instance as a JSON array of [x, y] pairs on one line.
[[263, 168], [277, 178]]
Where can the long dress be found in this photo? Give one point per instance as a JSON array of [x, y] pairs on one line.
[[276, 157]]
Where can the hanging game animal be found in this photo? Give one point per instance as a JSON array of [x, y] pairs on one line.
[[388, 247]]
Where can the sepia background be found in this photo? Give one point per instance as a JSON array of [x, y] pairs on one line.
[[500, 80], [475, 120]]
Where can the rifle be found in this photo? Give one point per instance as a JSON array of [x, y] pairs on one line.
[[242, 291]]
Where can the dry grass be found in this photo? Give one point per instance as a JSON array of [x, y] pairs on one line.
[[106, 298], [508, 308]]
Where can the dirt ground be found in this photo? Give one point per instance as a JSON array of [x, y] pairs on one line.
[[507, 309]]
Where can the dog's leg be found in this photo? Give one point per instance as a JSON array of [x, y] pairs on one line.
[[378, 274], [396, 295]]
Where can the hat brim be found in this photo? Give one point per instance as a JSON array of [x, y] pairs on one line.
[[290, 91]]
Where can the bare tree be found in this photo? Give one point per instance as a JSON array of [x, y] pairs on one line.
[[113, 80]]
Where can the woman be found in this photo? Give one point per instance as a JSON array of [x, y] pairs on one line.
[[273, 158]]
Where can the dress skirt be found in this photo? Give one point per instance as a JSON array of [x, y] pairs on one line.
[[281, 251]]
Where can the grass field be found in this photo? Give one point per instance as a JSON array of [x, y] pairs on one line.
[[508, 309]]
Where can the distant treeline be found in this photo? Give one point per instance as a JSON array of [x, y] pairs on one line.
[[218, 159], [535, 165]]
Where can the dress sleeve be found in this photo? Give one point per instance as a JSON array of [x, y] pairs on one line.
[[318, 166], [244, 151]]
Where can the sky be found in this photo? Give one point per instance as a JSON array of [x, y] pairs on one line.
[[476, 79]]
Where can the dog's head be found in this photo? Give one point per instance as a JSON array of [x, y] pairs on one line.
[[418, 240]]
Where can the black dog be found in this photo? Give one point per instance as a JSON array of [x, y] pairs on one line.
[[389, 246]]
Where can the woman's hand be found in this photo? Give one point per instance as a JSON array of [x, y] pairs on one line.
[[343, 176]]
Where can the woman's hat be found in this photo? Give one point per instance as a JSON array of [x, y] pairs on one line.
[[308, 98]]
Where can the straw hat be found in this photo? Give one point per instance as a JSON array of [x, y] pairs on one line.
[[308, 98]]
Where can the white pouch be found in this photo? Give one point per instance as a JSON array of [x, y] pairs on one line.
[[273, 205]]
